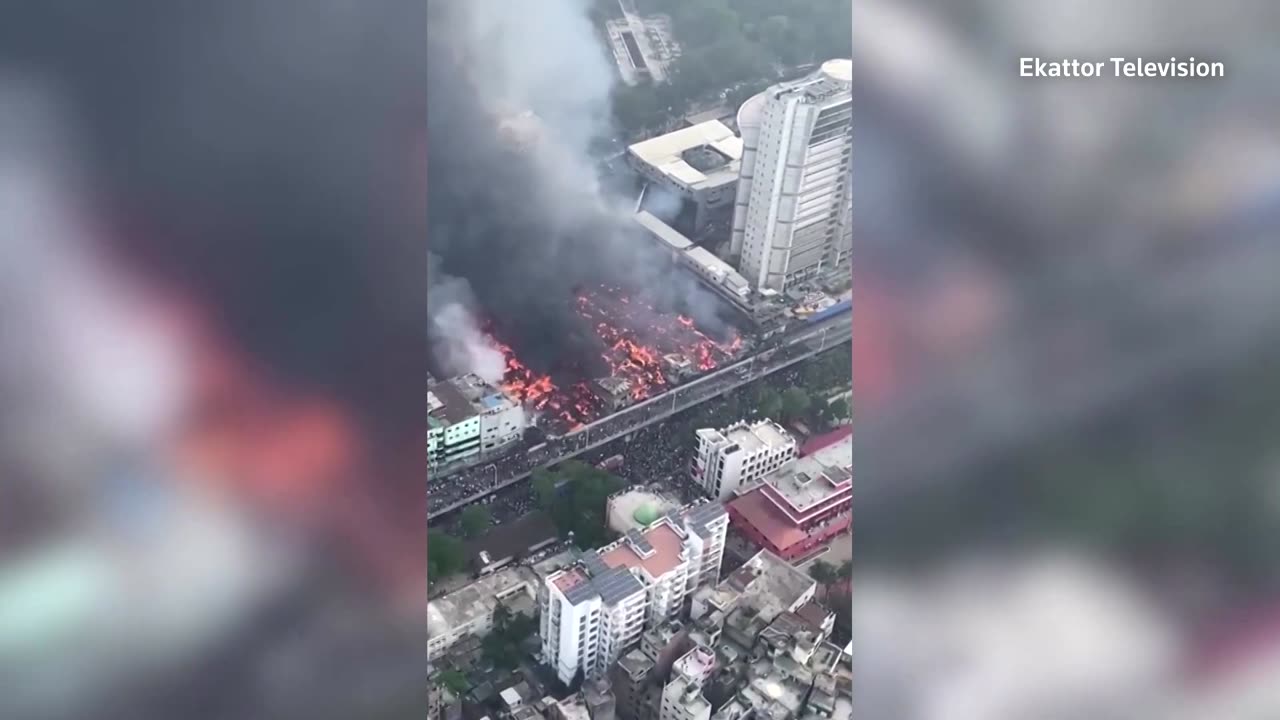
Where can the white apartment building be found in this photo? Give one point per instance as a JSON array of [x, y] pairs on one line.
[[767, 584], [707, 526], [682, 698], [453, 426], [739, 455], [468, 419], [502, 417], [571, 604], [596, 609], [793, 211], [468, 612]]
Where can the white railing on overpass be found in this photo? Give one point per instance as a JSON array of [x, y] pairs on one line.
[[674, 401]]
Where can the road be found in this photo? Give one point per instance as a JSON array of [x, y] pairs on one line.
[[451, 493]]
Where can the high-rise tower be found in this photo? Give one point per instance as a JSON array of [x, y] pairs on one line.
[[792, 217]]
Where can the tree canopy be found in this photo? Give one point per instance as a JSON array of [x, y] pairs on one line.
[[444, 555], [829, 371], [543, 483], [795, 403], [579, 507], [838, 409], [734, 45], [454, 680], [823, 572], [502, 646], [768, 402], [475, 520]]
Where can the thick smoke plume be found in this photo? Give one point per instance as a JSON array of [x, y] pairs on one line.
[[453, 331], [517, 93]]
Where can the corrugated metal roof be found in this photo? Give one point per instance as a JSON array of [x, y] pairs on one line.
[[592, 562], [616, 585], [664, 153], [663, 231]]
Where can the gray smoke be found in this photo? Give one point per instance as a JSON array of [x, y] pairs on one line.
[[664, 203], [517, 216], [465, 347], [544, 58], [458, 345], [518, 92]]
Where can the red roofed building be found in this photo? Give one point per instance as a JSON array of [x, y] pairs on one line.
[[802, 507], [825, 440]]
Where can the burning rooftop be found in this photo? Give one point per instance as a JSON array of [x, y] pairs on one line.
[[642, 351]]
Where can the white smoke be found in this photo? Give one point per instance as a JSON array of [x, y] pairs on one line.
[[462, 348], [536, 67], [456, 342], [663, 203], [540, 76], [541, 57], [544, 64]]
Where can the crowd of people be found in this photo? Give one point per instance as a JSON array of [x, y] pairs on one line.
[[656, 454], [448, 490]]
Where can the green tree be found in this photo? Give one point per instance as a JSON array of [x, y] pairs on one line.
[[444, 555], [475, 520], [455, 681], [544, 488], [637, 108], [590, 488], [501, 616], [726, 43], [502, 646], [820, 417], [830, 371], [829, 414], [694, 75], [705, 22], [769, 403], [822, 572], [581, 508], [523, 627], [496, 651], [825, 575], [838, 410], [795, 403]]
